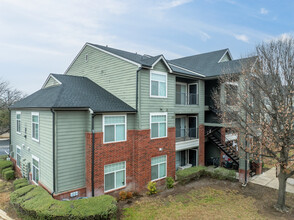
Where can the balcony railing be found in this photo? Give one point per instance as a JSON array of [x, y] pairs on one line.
[[186, 134], [183, 98]]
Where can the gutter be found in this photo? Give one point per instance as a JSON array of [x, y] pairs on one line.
[[93, 151], [53, 150]]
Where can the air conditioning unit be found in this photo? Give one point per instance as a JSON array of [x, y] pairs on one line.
[[25, 168]]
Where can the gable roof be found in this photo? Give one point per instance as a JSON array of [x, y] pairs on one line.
[[209, 64], [74, 92]]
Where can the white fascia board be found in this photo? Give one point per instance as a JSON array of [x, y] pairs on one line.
[[48, 78], [227, 52], [164, 60], [187, 70]]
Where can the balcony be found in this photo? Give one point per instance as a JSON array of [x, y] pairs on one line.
[[186, 138], [183, 98], [186, 134]]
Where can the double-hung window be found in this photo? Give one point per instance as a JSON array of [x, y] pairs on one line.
[[158, 84], [114, 128], [158, 124], [35, 169], [18, 156], [18, 122], [158, 167], [35, 126], [114, 176]]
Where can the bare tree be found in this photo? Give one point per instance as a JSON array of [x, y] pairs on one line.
[[258, 103], [7, 97]]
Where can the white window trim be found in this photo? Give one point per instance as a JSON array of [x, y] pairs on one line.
[[18, 147], [126, 129], [35, 114], [150, 87], [18, 113], [158, 168], [166, 126], [37, 159], [115, 176]]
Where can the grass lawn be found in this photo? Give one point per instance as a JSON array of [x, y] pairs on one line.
[[205, 203], [208, 198]]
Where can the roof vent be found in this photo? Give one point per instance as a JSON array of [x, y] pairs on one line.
[[147, 56]]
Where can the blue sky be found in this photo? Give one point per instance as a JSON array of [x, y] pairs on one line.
[[42, 37]]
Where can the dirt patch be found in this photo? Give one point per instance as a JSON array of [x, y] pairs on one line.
[[263, 198], [5, 190]]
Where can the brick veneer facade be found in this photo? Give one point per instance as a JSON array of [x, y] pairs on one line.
[[16, 168], [137, 151]]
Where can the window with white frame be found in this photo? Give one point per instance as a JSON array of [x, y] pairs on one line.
[[114, 176], [114, 128], [158, 84], [35, 126], [158, 124], [35, 169], [18, 156], [158, 167], [18, 122]]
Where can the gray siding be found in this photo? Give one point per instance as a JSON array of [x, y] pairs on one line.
[[29, 147], [70, 149], [113, 74]]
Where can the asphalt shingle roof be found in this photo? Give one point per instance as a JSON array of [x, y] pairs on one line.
[[206, 64], [74, 92]]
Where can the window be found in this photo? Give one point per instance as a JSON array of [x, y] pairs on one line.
[[158, 125], [35, 126], [18, 156], [231, 91], [114, 128], [18, 120], [158, 86], [158, 167], [114, 176], [35, 169]]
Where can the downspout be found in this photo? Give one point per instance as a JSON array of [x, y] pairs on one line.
[[246, 161], [93, 152], [137, 89], [53, 150], [10, 148]]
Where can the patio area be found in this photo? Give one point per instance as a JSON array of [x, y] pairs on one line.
[[270, 180]]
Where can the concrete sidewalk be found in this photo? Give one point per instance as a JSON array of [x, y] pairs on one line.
[[270, 180]]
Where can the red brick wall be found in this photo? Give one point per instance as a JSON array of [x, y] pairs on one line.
[[201, 145], [137, 151]]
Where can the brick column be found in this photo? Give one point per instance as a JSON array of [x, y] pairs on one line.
[[201, 145], [88, 164]]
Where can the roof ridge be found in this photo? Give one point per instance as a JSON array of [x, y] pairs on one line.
[[200, 54]]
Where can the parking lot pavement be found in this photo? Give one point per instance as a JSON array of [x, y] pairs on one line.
[[4, 146]]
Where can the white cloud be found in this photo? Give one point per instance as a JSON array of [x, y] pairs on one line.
[[164, 5], [263, 11], [242, 37]]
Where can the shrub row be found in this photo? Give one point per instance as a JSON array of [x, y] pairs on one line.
[[35, 202], [19, 183], [6, 169], [192, 173]]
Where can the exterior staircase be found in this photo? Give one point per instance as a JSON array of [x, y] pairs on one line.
[[215, 137]]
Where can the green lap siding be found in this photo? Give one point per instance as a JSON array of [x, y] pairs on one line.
[[149, 104], [29, 147], [51, 82], [70, 149], [113, 74]]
